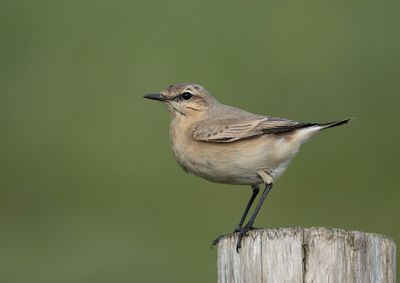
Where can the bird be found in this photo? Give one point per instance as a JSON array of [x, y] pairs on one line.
[[224, 144]]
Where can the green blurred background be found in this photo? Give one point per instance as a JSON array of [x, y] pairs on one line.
[[90, 191]]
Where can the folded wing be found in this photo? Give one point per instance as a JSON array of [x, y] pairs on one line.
[[229, 130]]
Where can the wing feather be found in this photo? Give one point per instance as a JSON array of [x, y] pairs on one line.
[[229, 130]]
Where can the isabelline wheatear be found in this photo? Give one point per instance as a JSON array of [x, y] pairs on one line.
[[228, 145]]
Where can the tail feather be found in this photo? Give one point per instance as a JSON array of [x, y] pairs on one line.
[[334, 123], [311, 129]]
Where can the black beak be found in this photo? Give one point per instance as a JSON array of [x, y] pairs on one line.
[[155, 96]]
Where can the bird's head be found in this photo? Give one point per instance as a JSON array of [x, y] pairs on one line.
[[185, 99]]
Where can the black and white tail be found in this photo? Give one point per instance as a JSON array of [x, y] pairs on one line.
[[311, 129]]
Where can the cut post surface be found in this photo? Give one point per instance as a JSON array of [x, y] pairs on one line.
[[307, 255]]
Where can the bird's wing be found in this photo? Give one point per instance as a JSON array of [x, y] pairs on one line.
[[229, 130]]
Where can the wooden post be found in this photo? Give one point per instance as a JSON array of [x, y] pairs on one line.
[[307, 255]]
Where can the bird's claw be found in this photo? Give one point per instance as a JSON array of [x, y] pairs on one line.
[[216, 240], [241, 233]]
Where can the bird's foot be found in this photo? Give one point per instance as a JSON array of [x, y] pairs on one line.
[[237, 229], [241, 233], [216, 240], [241, 230]]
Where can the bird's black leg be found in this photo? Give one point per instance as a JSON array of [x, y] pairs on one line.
[[249, 224], [256, 189]]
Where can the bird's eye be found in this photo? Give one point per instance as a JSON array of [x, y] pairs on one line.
[[186, 95]]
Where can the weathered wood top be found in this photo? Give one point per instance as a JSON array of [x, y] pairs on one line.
[[307, 255]]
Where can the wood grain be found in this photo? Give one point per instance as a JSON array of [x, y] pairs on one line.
[[307, 255]]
